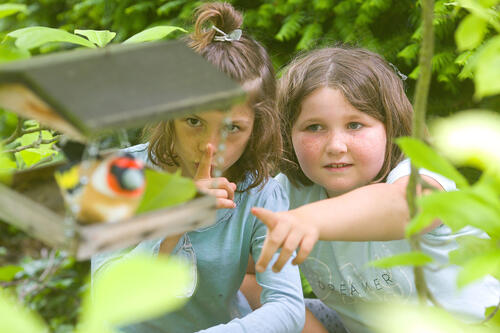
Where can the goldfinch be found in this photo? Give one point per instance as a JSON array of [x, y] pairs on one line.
[[107, 190]]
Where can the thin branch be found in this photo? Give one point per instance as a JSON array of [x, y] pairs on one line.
[[17, 132], [35, 144], [52, 266], [420, 104]]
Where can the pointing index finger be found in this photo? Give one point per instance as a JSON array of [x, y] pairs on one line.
[[266, 216], [205, 167]]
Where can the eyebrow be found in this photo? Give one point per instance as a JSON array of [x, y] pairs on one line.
[[312, 120]]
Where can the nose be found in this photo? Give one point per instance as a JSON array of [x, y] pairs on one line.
[[212, 137], [337, 143]]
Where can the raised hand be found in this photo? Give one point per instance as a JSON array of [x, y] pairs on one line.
[[219, 187], [287, 231]]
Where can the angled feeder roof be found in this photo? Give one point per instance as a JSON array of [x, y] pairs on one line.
[[93, 90]]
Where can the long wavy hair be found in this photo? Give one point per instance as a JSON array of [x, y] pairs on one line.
[[248, 63]]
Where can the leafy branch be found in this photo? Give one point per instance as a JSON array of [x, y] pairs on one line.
[[420, 103]]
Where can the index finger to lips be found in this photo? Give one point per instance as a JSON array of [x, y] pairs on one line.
[[205, 167]]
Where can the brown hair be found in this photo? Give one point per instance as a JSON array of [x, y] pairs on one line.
[[248, 63], [365, 80]]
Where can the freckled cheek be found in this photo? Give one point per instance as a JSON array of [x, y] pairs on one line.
[[307, 149], [371, 147]]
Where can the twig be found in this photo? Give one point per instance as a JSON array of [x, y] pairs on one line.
[[16, 133], [43, 280], [420, 103], [35, 144], [43, 160]]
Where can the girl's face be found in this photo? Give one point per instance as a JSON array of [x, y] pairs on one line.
[[337, 146], [194, 132]]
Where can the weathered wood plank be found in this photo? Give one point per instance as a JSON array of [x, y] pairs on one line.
[[32, 217], [192, 215], [48, 226], [119, 86]]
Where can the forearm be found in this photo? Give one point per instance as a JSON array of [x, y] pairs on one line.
[[373, 212]]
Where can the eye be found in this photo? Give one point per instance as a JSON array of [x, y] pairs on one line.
[[193, 122], [231, 128], [314, 128], [354, 125]]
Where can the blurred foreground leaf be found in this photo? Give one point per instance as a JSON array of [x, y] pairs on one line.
[[16, 318], [11, 8], [409, 318], [132, 290], [486, 263], [165, 189], [425, 157], [403, 259], [469, 138]]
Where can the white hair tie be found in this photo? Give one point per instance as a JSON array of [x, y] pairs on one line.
[[231, 37]]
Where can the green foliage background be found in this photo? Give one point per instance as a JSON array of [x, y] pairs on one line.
[[391, 28]]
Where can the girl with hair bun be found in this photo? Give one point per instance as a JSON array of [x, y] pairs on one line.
[[219, 253]]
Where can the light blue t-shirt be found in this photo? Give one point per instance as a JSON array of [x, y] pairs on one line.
[[339, 276], [219, 254]]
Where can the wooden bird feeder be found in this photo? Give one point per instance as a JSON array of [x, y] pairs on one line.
[[88, 93]]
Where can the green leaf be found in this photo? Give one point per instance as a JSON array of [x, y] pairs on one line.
[[31, 156], [16, 318], [134, 289], [391, 317], [475, 7], [495, 321], [470, 247], [33, 37], [403, 259], [11, 8], [99, 37], [480, 266], [487, 69], [11, 53], [291, 27], [153, 34], [469, 138], [170, 6], [425, 157], [8, 272], [34, 155], [470, 32], [165, 189], [457, 209], [7, 167], [311, 34]]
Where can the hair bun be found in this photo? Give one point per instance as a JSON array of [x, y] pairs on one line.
[[220, 14]]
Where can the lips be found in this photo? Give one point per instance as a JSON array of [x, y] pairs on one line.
[[337, 165]]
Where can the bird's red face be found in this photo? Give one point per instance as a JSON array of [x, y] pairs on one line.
[[126, 176]]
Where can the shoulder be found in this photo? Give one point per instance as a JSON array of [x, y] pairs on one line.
[[403, 169], [139, 152], [300, 195], [269, 186], [268, 194]]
